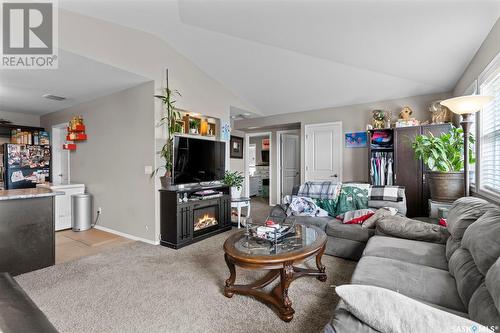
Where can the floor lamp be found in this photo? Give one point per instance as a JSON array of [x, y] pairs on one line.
[[466, 106]]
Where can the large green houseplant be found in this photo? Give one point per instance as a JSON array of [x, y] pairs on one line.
[[444, 157], [169, 120]]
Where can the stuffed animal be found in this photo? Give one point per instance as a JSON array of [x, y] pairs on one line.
[[378, 119], [440, 113], [405, 113]]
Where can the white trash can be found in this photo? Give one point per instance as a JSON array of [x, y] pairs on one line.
[[81, 212]]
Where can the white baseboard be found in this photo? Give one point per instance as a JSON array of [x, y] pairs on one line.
[[119, 233]]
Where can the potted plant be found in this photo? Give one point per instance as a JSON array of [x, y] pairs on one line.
[[169, 120], [235, 180], [194, 125], [443, 156]]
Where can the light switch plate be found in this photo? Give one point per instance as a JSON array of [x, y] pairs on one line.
[[148, 169]]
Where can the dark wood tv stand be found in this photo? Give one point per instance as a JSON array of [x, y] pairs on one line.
[[186, 222]]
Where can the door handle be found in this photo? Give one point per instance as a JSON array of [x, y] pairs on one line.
[[334, 176]]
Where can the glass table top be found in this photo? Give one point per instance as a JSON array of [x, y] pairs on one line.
[[303, 237]]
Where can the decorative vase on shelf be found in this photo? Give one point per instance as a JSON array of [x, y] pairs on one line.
[[166, 181], [235, 192]]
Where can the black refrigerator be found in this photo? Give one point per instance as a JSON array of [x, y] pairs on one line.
[[26, 165]]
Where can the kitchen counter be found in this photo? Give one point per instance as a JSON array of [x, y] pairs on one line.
[[27, 239], [27, 193]]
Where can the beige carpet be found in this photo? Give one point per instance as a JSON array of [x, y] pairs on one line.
[[144, 288]]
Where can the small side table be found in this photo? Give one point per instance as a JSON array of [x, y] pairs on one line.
[[238, 203]]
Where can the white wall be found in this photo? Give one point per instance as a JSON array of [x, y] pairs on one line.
[[147, 55], [488, 50], [22, 119]]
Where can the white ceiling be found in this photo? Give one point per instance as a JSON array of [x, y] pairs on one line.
[[286, 56], [79, 79]]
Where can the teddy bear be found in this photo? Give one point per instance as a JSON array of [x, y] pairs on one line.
[[405, 113]]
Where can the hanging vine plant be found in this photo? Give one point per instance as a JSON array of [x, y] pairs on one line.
[[171, 114]]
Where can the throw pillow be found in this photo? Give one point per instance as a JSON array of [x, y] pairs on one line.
[[388, 311], [379, 214], [352, 197], [356, 216], [402, 227]]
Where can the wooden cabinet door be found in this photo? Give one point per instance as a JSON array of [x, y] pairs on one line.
[[185, 227], [436, 130], [408, 170]]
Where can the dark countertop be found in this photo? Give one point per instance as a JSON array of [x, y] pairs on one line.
[[27, 193]]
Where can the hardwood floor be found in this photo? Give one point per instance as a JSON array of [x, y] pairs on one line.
[[72, 245]]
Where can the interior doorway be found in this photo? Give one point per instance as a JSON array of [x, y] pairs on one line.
[[288, 161], [60, 157], [258, 166]]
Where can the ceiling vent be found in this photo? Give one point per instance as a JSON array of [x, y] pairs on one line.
[[54, 97]]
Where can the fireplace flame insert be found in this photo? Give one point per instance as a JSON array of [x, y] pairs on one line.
[[205, 219]]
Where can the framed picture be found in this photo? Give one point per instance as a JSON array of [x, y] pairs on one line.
[[236, 144], [265, 144], [356, 140]]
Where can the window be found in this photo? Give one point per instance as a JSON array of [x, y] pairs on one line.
[[489, 140]]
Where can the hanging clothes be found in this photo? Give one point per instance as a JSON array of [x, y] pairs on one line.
[[381, 168]]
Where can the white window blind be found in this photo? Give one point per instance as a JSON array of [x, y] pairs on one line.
[[490, 135]]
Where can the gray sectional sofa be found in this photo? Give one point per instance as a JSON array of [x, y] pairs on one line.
[[344, 240], [460, 277]]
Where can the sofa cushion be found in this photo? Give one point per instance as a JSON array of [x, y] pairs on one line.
[[389, 311], [402, 227], [482, 307], [426, 283], [348, 231], [451, 246], [464, 270], [416, 252], [399, 205], [482, 239], [493, 283], [319, 222], [344, 248], [463, 212]]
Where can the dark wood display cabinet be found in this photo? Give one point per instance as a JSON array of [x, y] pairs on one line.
[[408, 171], [186, 219]]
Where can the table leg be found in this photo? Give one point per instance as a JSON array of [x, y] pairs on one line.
[[239, 214], [248, 209], [232, 277], [319, 264]]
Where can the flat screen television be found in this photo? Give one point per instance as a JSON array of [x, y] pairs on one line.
[[198, 160]]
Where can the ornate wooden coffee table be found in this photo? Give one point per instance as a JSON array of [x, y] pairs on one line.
[[245, 252]]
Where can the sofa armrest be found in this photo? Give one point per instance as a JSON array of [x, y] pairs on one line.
[[18, 313], [402, 227], [279, 211]]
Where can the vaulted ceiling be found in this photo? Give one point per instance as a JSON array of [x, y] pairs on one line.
[[296, 55]]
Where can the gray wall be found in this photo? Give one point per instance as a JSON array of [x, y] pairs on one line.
[[120, 129], [353, 118], [486, 53]]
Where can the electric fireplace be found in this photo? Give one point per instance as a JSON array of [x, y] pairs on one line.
[[187, 218], [205, 219]]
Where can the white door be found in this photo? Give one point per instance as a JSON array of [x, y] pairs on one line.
[[290, 163], [60, 157], [324, 148]]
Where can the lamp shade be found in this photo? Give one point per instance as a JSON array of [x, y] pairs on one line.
[[467, 104]]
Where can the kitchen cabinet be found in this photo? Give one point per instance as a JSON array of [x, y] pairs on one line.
[[62, 204]]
